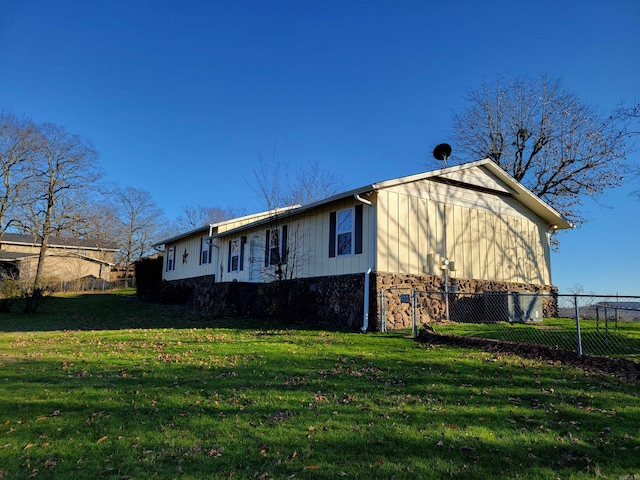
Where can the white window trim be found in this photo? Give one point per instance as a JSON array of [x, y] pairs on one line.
[[339, 232], [205, 247], [237, 254], [171, 258], [278, 230]]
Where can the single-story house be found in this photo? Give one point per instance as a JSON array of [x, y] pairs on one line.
[[473, 223], [66, 259]]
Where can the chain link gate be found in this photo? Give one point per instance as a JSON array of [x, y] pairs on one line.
[[404, 301]]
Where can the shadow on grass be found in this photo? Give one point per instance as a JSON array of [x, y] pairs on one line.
[[308, 411], [123, 311], [258, 400]]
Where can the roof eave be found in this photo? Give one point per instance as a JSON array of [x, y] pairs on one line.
[[555, 219], [298, 210]]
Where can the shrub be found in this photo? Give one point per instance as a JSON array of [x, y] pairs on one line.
[[149, 278], [10, 291]]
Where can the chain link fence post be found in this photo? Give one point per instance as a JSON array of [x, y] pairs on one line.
[[577, 315], [415, 313], [383, 311]]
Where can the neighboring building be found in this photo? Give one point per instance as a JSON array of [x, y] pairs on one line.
[[472, 221], [66, 259]]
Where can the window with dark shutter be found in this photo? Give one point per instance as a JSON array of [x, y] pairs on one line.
[[205, 250], [283, 245], [332, 234], [243, 240], [358, 230], [345, 231], [234, 255], [267, 245], [276, 246], [171, 258]]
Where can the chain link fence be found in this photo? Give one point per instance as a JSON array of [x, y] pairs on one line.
[[91, 284], [596, 325]]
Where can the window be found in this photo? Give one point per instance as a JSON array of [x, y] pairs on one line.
[[236, 254], [345, 232], [171, 258], [205, 250], [276, 246]]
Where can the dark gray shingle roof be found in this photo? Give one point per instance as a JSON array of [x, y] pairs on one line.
[[25, 239]]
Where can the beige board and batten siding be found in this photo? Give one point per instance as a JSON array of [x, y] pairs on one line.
[[308, 242], [191, 244], [489, 235], [322, 264]]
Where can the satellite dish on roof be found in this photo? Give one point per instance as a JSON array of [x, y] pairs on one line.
[[442, 152]]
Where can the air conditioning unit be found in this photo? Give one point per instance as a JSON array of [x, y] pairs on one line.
[[513, 307]]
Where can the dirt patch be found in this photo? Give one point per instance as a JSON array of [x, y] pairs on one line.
[[624, 369]]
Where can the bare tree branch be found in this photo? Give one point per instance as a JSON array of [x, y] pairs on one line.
[[546, 138]]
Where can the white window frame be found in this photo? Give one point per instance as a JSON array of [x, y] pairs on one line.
[[275, 235], [171, 258], [343, 228], [235, 254], [278, 243], [205, 250]]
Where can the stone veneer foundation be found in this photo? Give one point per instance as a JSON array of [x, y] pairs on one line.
[[465, 297], [338, 301]]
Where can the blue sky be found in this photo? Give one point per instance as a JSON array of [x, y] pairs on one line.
[[182, 98]]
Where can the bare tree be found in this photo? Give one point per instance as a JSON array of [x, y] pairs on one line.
[[139, 220], [275, 187], [285, 253], [199, 216], [17, 152], [270, 183], [560, 148], [630, 115], [101, 220], [312, 183], [64, 168]]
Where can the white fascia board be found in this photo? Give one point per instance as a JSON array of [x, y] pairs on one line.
[[529, 199]]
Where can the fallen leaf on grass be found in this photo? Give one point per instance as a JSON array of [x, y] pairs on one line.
[[102, 439], [312, 467], [29, 445]]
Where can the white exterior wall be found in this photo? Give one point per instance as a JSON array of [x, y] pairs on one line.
[[488, 236], [191, 267]]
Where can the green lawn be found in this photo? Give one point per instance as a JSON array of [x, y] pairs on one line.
[[598, 338], [107, 387]]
